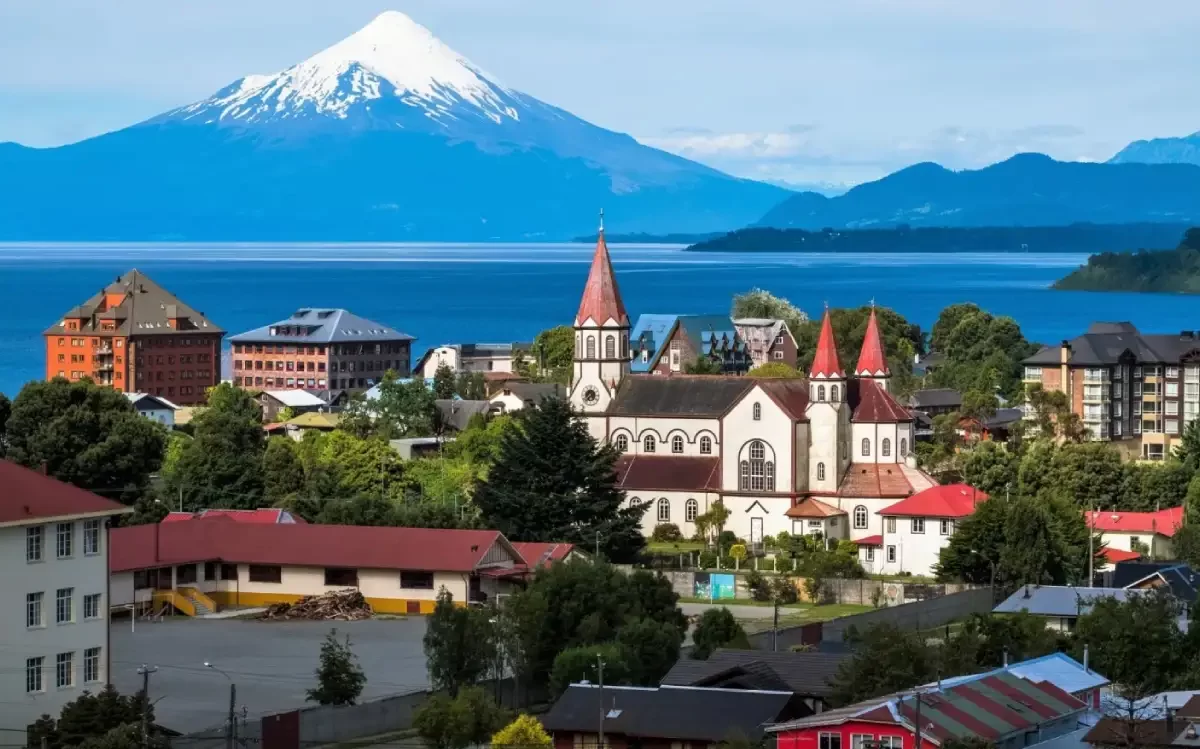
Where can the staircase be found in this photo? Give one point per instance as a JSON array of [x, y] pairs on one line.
[[201, 603], [174, 599]]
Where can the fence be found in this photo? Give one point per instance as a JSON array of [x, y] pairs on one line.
[[726, 586]]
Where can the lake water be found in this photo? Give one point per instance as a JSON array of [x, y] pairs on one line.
[[503, 292]]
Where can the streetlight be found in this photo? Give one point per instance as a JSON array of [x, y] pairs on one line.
[[229, 729]]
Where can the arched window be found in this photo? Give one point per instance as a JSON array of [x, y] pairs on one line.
[[690, 510], [706, 445], [820, 471], [860, 517], [886, 448], [677, 444], [866, 450], [664, 510], [757, 473], [833, 393], [820, 392], [648, 443], [610, 347], [757, 411], [903, 447], [591, 347], [622, 443]]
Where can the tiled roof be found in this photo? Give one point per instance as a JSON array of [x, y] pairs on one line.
[[678, 395], [803, 673], [261, 516], [601, 298], [871, 360], [947, 501], [874, 405], [876, 540], [1164, 522], [145, 308], [875, 480], [538, 554], [322, 326], [1119, 555], [668, 473], [649, 334], [811, 507], [362, 547], [825, 362], [28, 496]]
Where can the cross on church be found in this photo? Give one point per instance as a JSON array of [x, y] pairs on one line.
[[601, 219]]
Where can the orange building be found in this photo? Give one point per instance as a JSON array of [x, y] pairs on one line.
[[139, 338]]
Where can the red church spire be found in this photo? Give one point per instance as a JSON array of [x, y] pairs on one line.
[[825, 364], [871, 361], [601, 297]]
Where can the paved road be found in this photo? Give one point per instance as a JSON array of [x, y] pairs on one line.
[[739, 612]]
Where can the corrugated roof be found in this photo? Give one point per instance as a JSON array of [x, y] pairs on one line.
[[875, 480], [537, 554], [296, 398], [650, 333], [145, 308], [1058, 669], [315, 420], [678, 395], [261, 516], [1058, 600], [935, 398], [668, 472], [28, 496], [946, 501], [1164, 522], [806, 674], [308, 325]]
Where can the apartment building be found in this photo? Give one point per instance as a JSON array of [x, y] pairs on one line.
[[321, 349], [1137, 390], [137, 337], [474, 357], [54, 552]]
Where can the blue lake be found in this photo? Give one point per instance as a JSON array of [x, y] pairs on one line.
[[450, 293]]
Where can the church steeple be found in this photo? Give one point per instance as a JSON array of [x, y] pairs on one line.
[[825, 364], [601, 336], [601, 298], [872, 363]]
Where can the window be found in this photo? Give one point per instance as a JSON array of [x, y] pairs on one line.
[[778, 355], [91, 606], [1172, 408], [829, 741], [1173, 373], [664, 510], [265, 573], [1172, 390], [690, 509], [866, 447], [758, 474], [34, 543], [229, 572], [1137, 372], [64, 611], [648, 443], [947, 526], [677, 444], [91, 537], [64, 670], [859, 740], [757, 409], [185, 574], [891, 553], [820, 471], [33, 674], [33, 609], [64, 538], [416, 580], [860, 516], [610, 347], [1033, 373], [706, 446], [342, 576], [903, 447], [770, 475], [820, 392], [210, 571], [1172, 426], [833, 393], [891, 525], [591, 347], [890, 742], [870, 553], [918, 525], [91, 665], [622, 443], [885, 448]]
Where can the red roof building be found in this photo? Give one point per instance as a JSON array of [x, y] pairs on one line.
[[28, 497], [1148, 534], [871, 361], [601, 298], [261, 516], [916, 529], [825, 363], [947, 501]]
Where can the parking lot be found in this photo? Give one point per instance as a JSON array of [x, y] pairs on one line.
[[271, 663]]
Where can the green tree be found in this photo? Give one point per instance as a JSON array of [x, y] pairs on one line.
[[283, 475], [775, 370], [1052, 415], [127, 736], [1045, 542], [404, 408], [553, 482], [525, 732], [1088, 473], [764, 304], [990, 467], [1135, 642], [223, 465], [444, 480], [577, 664], [885, 659], [972, 554], [901, 339], [982, 353], [480, 441], [703, 365], [177, 442], [86, 435], [146, 510], [1186, 543], [651, 648], [460, 644], [1187, 452], [717, 629], [550, 358], [90, 717], [1018, 637], [5, 411], [287, 413], [471, 386], [357, 466], [467, 719], [444, 382], [340, 680]]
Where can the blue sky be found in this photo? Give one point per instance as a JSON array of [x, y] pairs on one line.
[[840, 91]]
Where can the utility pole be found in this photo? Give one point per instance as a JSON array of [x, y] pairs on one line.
[[603, 713], [775, 627], [231, 729], [597, 546], [1091, 544], [917, 722], [145, 672]]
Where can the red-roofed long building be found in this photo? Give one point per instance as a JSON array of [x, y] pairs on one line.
[[54, 539], [1148, 533], [915, 530]]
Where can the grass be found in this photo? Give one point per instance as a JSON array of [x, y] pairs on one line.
[[736, 602], [674, 547], [807, 614]]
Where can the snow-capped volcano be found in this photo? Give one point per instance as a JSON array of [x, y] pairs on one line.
[[392, 60]]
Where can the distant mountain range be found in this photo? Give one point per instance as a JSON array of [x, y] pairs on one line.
[[387, 135], [1185, 150]]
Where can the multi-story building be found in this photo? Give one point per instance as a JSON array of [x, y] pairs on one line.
[[138, 338], [767, 340], [1137, 390], [54, 551], [322, 349], [474, 357]]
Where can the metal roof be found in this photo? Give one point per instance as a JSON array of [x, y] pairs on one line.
[[1058, 600], [803, 673], [308, 325]]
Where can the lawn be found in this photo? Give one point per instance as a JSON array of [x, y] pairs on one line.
[[674, 547], [805, 614]]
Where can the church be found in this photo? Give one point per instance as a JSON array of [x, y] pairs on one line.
[[818, 455]]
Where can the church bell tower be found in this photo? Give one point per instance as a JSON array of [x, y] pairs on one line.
[[601, 336]]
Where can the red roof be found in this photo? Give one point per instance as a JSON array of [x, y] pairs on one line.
[[870, 541], [875, 480], [875, 405], [949, 501], [362, 547], [811, 507], [543, 554], [601, 298], [264, 516], [871, 361], [1119, 555], [825, 363], [29, 496], [1163, 522], [790, 394], [668, 473]]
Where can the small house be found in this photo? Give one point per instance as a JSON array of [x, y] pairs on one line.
[[154, 407], [806, 676]]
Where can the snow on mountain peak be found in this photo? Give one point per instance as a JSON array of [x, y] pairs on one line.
[[392, 56]]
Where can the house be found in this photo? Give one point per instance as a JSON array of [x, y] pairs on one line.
[[995, 427], [1148, 533], [712, 337], [806, 676], [924, 364], [665, 717], [411, 448], [154, 407], [1059, 669], [812, 517], [456, 413], [513, 396], [648, 338], [198, 566], [262, 516], [472, 357], [54, 542], [1176, 577], [935, 401], [998, 707], [322, 349], [311, 420], [916, 529], [298, 401], [1144, 733], [137, 337], [538, 554], [767, 340], [1062, 605]]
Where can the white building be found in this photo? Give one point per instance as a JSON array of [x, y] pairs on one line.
[[54, 553], [1147, 533], [513, 396], [472, 357], [760, 446], [154, 407], [916, 529]]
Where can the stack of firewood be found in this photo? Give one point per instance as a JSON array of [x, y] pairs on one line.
[[336, 605]]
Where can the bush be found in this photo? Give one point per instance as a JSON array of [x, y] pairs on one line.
[[784, 590], [666, 533], [708, 560], [726, 539], [717, 629], [574, 665], [756, 583]]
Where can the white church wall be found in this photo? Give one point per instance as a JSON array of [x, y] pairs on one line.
[[675, 510], [773, 428], [877, 437], [664, 430], [754, 517], [824, 425]]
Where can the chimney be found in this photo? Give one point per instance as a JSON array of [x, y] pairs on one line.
[[1006, 657], [1028, 594], [1085, 657], [1170, 716]]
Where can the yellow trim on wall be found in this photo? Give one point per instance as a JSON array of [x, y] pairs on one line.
[[226, 598]]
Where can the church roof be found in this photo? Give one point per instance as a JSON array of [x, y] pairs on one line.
[[825, 363], [601, 298], [871, 361], [678, 395], [875, 405], [790, 394], [668, 472], [875, 480], [811, 507]]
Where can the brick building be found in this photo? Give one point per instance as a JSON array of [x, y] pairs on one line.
[[1137, 390], [323, 349], [137, 337]]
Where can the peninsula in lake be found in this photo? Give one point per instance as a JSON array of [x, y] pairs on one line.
[[1174, 271]]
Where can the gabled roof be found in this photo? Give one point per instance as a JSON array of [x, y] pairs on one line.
[[825, 364], [141, 307], [601, 300], [261, 516], [1116, 556], [1058, 669], [650, 334], [1179, 579], [319, 326], [711, 334], [874, 405], [537, 554], [28, 496], [1105, 343], [876, 481], [935, 398], [1164, 522], [642, 472], [457, 413], [1058, 600], [143, 401], [678, 395], [790, 394], [296, 398], [315, 420], [811, 507], [531, 392], [871, 360], [805, 674], [876, 540], [947, 501], [768, 328]]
